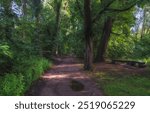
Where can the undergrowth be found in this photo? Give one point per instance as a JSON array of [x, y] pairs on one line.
[[24, 72]]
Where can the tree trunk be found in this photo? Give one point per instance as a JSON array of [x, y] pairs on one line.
[[104, 40], [58, 4], [24, 7], [88, 35]]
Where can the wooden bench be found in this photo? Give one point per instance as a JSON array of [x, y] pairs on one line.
[[131, 63]]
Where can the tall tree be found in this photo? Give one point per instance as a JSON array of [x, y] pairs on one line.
[[88, 35]]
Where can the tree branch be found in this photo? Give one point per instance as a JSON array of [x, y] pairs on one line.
[[101, 11], [122, 10]]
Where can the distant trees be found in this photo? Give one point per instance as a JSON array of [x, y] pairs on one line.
[[146, 21], [8, 17], [65, 27]]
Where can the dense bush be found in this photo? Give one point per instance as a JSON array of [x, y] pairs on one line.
[[12, 84], [142, 48], [120, 47], [24, 73], [5, 59], [31, 68]]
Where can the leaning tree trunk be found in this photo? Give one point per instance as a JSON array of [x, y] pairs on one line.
[[104, 40], [88, 35]]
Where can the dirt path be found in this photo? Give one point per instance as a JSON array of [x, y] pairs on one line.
[[66, 78]]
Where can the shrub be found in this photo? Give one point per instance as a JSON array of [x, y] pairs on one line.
[[120, 47], [30, 70], [142, 46], [12, 84], [5, 59]]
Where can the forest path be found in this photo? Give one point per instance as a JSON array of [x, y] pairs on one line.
[[65, 78]]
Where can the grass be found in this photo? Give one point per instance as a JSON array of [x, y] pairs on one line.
[[127, 85]]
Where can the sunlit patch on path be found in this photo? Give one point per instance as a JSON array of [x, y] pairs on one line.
[[66, 79]]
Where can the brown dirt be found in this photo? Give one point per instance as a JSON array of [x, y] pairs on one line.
[[58, 80], [120, 69]]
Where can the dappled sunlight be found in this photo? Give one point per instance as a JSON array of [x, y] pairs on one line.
[[68, 80], [55, 76], [68, 65], [60, 75]]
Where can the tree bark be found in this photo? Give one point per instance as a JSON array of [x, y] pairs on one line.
[[58, 4], [104, 40], [88, 35]]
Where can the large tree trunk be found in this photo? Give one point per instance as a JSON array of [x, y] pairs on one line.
[[88, 35], [104, 40]]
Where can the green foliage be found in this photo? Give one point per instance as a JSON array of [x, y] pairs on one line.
[[120, 47], [120, 84], [12, 84], [147, 61], [5, 50], [30, 70], [142, 47], [5, 59], [136, 86], [25, 39]]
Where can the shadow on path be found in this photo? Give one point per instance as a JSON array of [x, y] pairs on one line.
[[66, 78]]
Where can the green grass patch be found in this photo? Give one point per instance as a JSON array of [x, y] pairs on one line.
[[129, 85]]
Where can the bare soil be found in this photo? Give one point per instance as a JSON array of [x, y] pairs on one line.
[[65, 78]]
